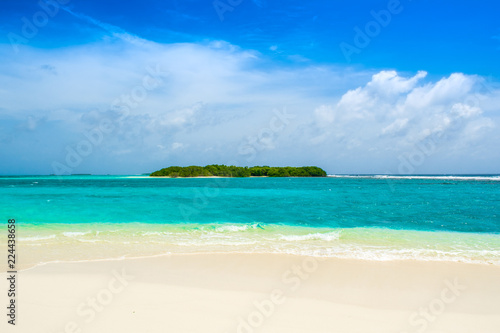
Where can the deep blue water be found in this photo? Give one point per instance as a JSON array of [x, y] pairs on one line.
[[442, 204]]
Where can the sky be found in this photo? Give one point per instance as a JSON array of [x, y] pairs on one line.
[[354, 87]]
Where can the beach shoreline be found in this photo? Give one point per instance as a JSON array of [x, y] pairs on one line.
[[87, 241], [236, 292]]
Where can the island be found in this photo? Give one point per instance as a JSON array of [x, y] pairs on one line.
[[216, 170]]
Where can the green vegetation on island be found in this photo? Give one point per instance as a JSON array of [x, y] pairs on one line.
[[234, 171]]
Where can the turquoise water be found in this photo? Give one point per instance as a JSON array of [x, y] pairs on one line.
[[367, 217]]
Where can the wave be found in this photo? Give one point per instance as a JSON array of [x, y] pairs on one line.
[[238, 227], [331, 236], [36, 238], [378, 244], [438, 177], [399, 254], [75, 233]]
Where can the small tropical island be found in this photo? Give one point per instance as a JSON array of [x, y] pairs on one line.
[[216, 170]]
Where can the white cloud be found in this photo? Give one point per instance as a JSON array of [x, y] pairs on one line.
[[177, 145], [214, 95], [443, 92], [465, 111], [396, 127], [325, 114], [391, 114], [179, 118], [390, 83]]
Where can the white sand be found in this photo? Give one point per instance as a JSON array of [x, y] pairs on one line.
[[256, 293]]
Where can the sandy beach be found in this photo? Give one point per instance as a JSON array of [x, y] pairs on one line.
[[257, 293]]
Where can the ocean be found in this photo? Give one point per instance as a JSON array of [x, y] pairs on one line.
[[72, 218]]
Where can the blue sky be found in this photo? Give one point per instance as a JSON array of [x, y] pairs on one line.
[[351, 86]]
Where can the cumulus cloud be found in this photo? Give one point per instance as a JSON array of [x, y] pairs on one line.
[[209, 96], [390, 83], [196, 103], [392, 114], [395, 127]]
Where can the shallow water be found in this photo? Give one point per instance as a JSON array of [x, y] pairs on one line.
[[452, 218]]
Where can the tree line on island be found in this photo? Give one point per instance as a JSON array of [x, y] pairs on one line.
[[216, 170]]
